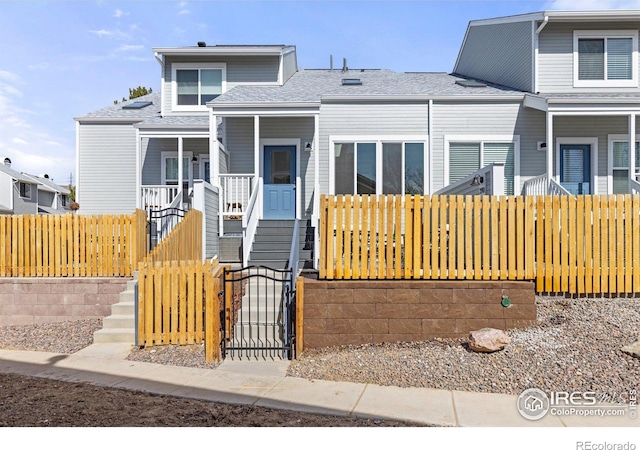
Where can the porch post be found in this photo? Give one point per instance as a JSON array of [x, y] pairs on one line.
[[632, 147], [138, 170], [549, 139], [316, 188], [256, 160], [214, 150], [180, 165]]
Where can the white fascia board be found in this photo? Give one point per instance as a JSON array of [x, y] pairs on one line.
[[164, 133], [600, 15], [591, 100], [223, 51], [509, 19], [249, 110], [119, 120]]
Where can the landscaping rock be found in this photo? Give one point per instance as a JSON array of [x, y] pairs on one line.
[[632, 349], [488, 340]]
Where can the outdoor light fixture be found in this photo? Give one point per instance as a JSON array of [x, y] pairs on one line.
[[308, 147], [194, 159], [477, 180]]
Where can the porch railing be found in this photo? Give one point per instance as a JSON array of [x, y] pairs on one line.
[[634, 187], [488, 180], [542, 185], [159, 196], [236, 192], [250, 223]]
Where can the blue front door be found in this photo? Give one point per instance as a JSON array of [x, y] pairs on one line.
[[279, 182], [575, 168]]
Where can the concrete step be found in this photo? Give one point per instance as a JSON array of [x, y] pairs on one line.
[[273, 264], [114, 335], [119, 321], [127, 296], [124, 308]]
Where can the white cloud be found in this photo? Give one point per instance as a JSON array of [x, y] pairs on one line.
[[117, 34], [184, 12], [17, 140], [39, 66], [129, 48], [9, 76], [593, 4], [119, 13]]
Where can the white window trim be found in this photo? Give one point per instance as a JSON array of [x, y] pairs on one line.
[[378, 140], [593, 142], [604, 34], [611, 139], [483, 139], [163, 165], [267, 142], [193, 66]]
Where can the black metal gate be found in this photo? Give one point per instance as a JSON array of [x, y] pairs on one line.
[[258, 318]]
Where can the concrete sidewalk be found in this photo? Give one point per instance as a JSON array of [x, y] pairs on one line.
[[266, 384]]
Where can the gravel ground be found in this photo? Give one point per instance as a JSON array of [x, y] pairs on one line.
[[575, 346]]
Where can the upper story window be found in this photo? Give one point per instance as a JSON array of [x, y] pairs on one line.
[[25, 190], [605, 59], [194, 86]]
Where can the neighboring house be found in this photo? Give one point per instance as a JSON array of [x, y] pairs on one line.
[[546, 102], [18, 191], [21, 193], [52, 198]]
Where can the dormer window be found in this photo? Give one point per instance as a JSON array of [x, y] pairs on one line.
[[195, 86], [605, 59]]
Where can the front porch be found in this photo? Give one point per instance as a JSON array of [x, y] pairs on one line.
[[242, 171], [586, 147]]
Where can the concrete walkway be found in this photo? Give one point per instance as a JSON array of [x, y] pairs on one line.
[[266, 384]]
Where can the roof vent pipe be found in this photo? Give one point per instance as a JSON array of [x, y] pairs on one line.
[[7, 162], [331, 63], [344, 65], [202, 44]]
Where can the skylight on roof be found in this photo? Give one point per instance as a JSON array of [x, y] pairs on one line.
[[470, 83], [351, 82], [137, 105]]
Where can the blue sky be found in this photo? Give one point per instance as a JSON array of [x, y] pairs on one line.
[[62, 59]]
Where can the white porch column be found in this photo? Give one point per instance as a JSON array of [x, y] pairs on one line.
[[549, 140], [316, 187], [180, 164], [214, 150], [256, 161], [138, 170], [632, 147]]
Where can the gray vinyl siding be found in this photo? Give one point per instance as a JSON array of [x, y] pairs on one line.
[[239, 144], [289, 66], [370, 120], [555, 56], [212, 223], [25, 205], [591, 127], [500, 53], [482, 119], [107, 168], [240, 70]]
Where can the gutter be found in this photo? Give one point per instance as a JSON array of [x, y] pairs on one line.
[[421, 98]]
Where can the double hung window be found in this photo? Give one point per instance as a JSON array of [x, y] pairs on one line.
[[194, 87], [605, 58]]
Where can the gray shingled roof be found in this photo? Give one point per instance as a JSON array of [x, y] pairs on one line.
[[313, 85], [116, 111], [47, 182], [16, 175], [175, 121]]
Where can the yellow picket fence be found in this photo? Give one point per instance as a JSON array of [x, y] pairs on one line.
[[178, 293], [178, 303], [578, 245], [71, 245]]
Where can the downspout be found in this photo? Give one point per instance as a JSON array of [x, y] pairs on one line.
[[544, 23], [535, 52], [161, 62]]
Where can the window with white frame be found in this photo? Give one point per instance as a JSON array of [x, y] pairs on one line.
[[605, 58], [193, 86], [170, 168], [620, 165], [465, 157], [379, 167]]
